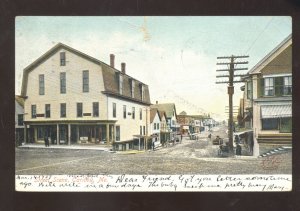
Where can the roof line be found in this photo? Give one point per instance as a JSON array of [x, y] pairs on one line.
[[270, 54]]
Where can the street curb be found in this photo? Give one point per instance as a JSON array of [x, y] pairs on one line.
[[62, 148]]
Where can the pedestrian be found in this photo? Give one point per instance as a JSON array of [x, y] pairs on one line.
[[238, 150], [180, 137], [153, 145], [45, 139]]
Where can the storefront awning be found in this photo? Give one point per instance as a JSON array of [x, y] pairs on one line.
[[276, 111]]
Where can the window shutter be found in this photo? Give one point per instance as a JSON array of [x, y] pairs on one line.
[[260, 87], [278, 86]]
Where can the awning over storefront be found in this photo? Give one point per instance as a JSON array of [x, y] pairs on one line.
[[276, 111]]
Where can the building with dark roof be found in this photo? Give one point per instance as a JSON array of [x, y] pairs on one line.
[[72, 97]]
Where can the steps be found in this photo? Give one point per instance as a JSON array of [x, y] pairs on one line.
[[279, 150]]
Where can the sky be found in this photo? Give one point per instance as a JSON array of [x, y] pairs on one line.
[[175, 56]]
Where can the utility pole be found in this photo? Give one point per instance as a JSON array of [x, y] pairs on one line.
[[230, 90]]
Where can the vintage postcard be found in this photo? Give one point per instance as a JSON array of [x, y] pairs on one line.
[[195, 103]]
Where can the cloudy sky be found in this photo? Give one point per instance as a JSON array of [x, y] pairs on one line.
[[175, 56]]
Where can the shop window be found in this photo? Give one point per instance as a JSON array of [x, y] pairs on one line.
[[270, 124]]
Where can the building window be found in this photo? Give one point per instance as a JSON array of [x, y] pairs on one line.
[[41, 84], [287, 86], [144, 130], [124, 111], [85, 81], [47, 110], [132, 88], [154, 126], [249, 90], [141, 114], [62, 83], [118, 133], [120, 84], [286, 125], [63, 110], [20, 119], [62, 58], [41, 132], [114, 110], [270, 124], [157, 126], [269, 86], [79, 109], [33, 111], [141, 130], [95, 109], [133, 112]]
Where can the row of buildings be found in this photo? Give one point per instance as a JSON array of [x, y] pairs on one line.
[[72, 98], [266, 106]]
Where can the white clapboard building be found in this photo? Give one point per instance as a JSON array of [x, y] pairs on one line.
[[72, 98]]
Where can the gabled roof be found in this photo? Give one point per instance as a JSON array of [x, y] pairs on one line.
[[168, 108], [162, 113], [19, 100], [270, 56], [153, 112], [182, 113], [110, 82]]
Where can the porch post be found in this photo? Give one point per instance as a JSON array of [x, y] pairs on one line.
[[107, 134], [25, 134], [69, 134], [57, 134]]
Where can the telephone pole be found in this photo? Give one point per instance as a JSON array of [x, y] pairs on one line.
[[230, 90]]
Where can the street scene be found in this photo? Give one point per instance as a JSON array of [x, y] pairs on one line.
[[153, 95], [188, 157]]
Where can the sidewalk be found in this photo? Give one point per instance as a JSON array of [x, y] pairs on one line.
[[71, 147]]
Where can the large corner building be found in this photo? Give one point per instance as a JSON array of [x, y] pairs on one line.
[[74, 98]]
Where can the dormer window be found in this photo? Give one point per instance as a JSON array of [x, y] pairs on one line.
[[131, 81], [142, 92], [120, 84], [62, 58]]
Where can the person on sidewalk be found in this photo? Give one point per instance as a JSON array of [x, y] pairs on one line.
[[45, 139], [48, 141]]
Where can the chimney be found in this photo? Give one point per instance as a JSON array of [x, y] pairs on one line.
[[112, 60], [123, 68], [156, 102]]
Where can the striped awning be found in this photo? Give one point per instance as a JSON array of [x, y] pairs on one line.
[[276, 111]]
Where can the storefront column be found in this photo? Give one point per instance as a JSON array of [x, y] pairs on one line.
[[139, 143], [69, 134], [25, 134], [57, 134], [113, 133], [107, 134], [35, 134], [77, 130]]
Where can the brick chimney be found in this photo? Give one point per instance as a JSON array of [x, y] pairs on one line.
[[112, 60], [123, 68]]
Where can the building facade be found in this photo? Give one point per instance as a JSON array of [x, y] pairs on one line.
[[155, 125], [74, 98], [268, 99], [19, 125]]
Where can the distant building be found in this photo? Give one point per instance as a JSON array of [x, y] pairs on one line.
[[155, 124], [170, 111], [268, 99], [74, 98], [19, 117]]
